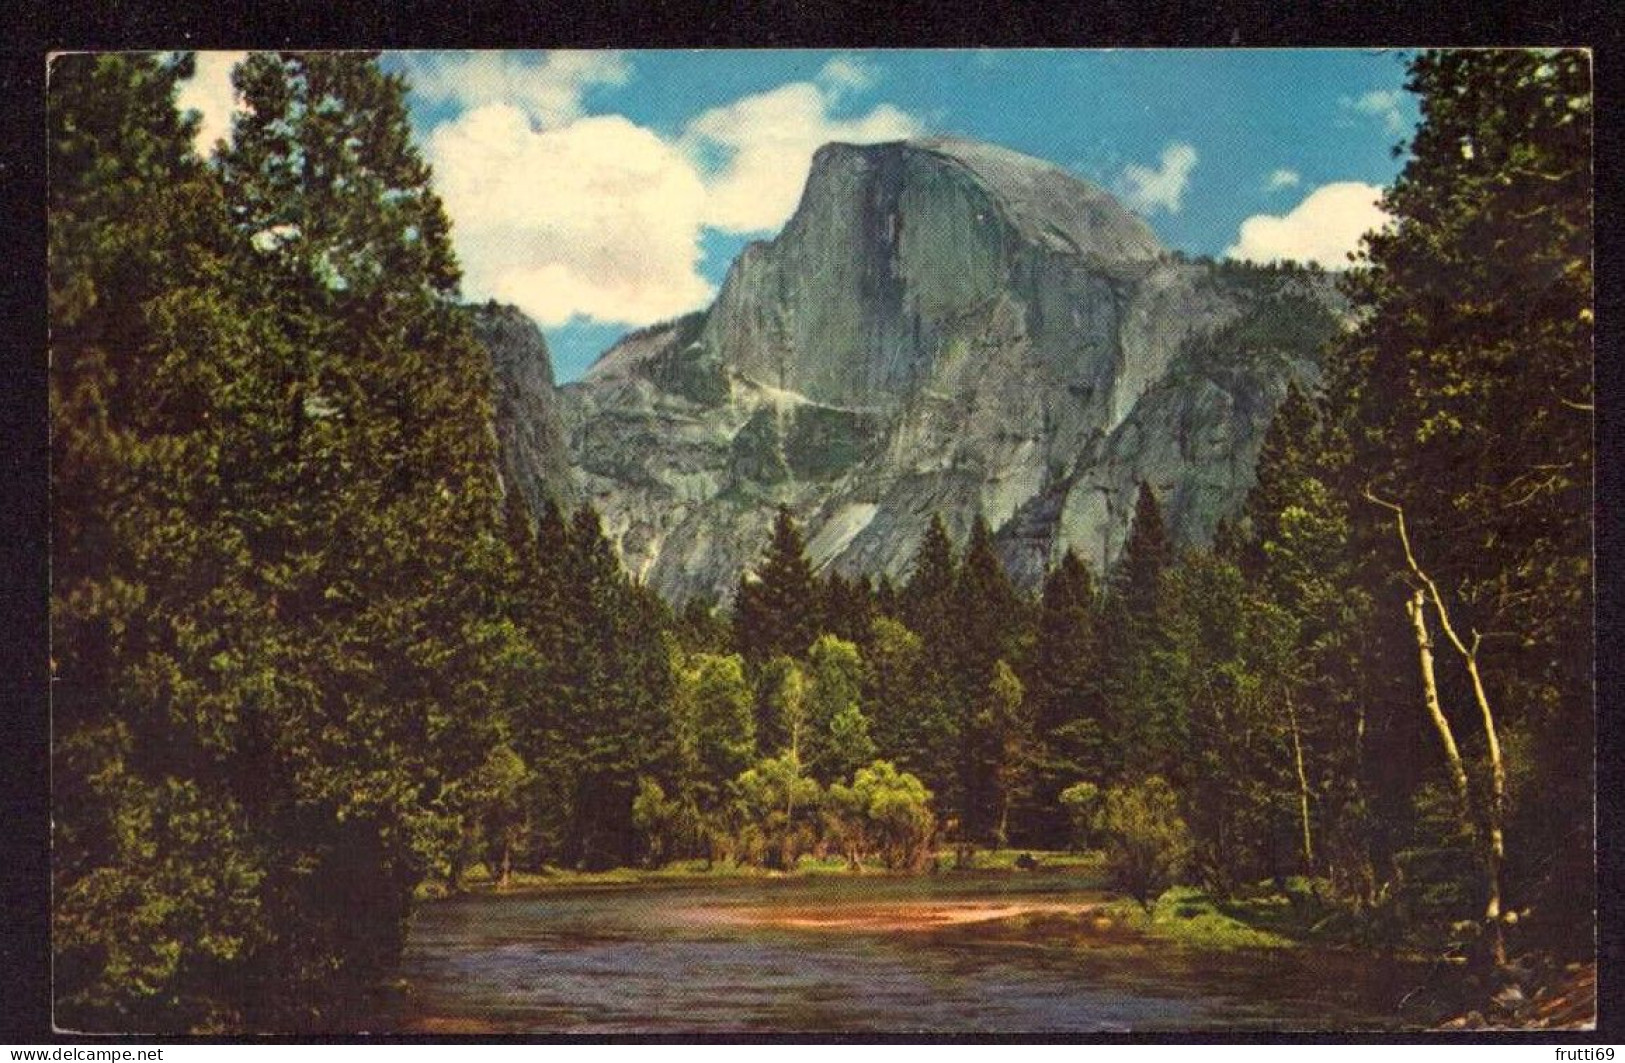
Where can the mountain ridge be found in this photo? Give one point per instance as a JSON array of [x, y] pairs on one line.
[[941, 327]]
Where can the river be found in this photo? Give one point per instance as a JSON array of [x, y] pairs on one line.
[[939, 955]]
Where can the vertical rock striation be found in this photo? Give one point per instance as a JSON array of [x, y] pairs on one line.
[[530, 438], [942, 327]]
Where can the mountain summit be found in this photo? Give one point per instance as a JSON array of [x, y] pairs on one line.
[[942, 327]]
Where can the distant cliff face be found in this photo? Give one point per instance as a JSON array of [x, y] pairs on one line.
[[532, 456], [943, 327]]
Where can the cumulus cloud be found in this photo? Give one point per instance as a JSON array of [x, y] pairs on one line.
[[768, 142], [1381, 104], [1282, 179], [1161, 188], [572, 216], [597, 219], [208, 92], [548, 88], [1323, 228]]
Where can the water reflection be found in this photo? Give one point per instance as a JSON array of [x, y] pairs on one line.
[[922, 955]]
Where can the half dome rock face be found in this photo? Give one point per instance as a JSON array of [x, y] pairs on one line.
[[942, 327]]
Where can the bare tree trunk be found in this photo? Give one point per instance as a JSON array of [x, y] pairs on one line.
[[1303, 788], [1414, 606], [1498, 786], [1496, 843]]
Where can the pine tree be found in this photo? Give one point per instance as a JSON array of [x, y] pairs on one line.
[[615, 720], [381, 539], [929, 608], [1137, 713], [714, 705], [1003, 743], [926, 601], [777, 611], [1304, 562], [1468, 391], [1281, 469], [158, 644], [846, 607], [990, 614], [911, 723], [1146, 554], [989, 629], [699, 628], [1066, 695]]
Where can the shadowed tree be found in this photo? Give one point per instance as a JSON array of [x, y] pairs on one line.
[[776, 611], [1066, 695]]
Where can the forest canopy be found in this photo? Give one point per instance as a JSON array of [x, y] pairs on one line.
[[309, 657]]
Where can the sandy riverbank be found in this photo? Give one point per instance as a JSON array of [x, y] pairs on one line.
[[898, 916]]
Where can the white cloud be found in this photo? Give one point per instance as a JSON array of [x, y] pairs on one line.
[[571, 216], [1323, 228], [768, 142], [1382, 104], [208, 92], [1282, 179], [847, 73], [597, 219], [1147, 189], [548, 87]]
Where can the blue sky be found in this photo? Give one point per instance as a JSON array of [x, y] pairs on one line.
[[604, 190]]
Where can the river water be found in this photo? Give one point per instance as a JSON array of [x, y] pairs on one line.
[[941, 955]]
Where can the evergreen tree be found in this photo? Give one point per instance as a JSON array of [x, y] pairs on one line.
[[989, 629], [1136, 709], [616, 717], [1283, 460], [1066, 695], [535, 604], [1003, 748], [847, 607], [1146, 554], [1477, 302], [713, 703], [776, 611], [700, 630], [929, 608], [161, 652], [912, 721], [886, 598], [926, 601], [313, 548], [376, 519], [990, 616], [1304, 562]]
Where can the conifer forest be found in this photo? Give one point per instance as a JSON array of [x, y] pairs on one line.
[[318, 665]]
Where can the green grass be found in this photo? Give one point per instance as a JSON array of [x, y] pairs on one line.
[[1188, 916], [1005, 860], [1078, 870]]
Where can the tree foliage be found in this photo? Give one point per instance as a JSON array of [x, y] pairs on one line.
[[1147, 843], [309, 655], [777, 609]]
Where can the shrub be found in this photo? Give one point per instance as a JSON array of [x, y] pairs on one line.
[[1148, 845], [884, 811]]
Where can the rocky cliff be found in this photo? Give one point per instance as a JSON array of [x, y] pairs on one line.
[[531, 452], [942, 327]]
